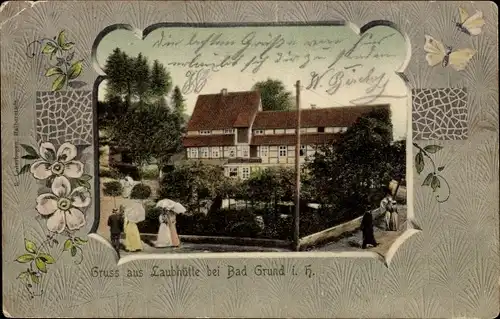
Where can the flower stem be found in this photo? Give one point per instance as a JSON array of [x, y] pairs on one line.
[[40, 42], [447, 186]]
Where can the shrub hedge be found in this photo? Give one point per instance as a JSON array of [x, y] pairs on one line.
[[113, 188], [127, 170], [140, 191]]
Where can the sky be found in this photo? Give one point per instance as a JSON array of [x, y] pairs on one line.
[[335, 66]]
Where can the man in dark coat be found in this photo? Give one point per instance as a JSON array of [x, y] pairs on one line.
[[115, 223], [367, 230]]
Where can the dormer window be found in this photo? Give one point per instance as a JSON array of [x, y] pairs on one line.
[[258, 132], [205, 132]]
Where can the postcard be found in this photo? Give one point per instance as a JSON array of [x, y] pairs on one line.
[[239, 159]]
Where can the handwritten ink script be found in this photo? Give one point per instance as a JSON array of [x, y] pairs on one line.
[[224, 272], [327, 64]]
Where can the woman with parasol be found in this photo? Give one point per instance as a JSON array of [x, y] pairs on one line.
[[164, 238], [171, 209], [133, 214]]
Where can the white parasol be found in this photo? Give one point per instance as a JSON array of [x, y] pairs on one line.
[[171, 205], [135, 212]]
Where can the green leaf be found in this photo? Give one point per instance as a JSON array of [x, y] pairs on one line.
[[46, 258], [40, 264], [73, 251], [59, 82], [25, 258], [68, 244], [84, 184], [75, 70], [49, 48], [30, 150], [61, 38], [29, 157], [419, 162], [35, 279], [86, 177], [80, 241], [428, 179], [23, 275], [435, 184], [53, 71], [30, 246], [432, 148], [67, 46], [440, 168], [24, 169]]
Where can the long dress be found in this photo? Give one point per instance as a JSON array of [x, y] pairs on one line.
[[367, 230], [394, 224], [164, 239], [383, 210], [173, 230], [132, 237]]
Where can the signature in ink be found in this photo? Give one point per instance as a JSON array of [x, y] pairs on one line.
[[336, 77], [195, 81]]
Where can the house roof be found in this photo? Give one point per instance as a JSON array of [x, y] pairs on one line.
[[218, 111], [208, 140], [291, 139], [323, 117]]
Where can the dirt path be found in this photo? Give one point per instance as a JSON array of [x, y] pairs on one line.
[[384, 238]]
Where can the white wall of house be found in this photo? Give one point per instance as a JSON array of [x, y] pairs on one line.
[[269, 154], [275, 154], [243, 151], [302, 130], [211, 132]]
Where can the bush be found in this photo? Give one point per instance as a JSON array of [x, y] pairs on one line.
[[113, 188], [226, 222], [151, 224], [109, 172], [235, 223], [140, 191], [150, 172], [127, 170]]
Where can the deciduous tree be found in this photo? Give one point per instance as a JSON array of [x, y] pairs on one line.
[[148, 133], [352, 170], [274, 95]]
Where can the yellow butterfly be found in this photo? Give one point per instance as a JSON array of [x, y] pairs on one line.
[[470, 25], [438, 53]]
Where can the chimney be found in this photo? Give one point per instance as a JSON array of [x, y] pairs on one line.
[[313, 106], [223, 92]]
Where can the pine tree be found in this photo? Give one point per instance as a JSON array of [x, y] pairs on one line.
[[161, 82], [115, 83], [141, 80], [178, 102]]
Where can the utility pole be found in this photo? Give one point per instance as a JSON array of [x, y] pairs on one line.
[[296, 221]]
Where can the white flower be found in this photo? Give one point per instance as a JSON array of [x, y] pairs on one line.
[[62, 205], [57, 164]]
